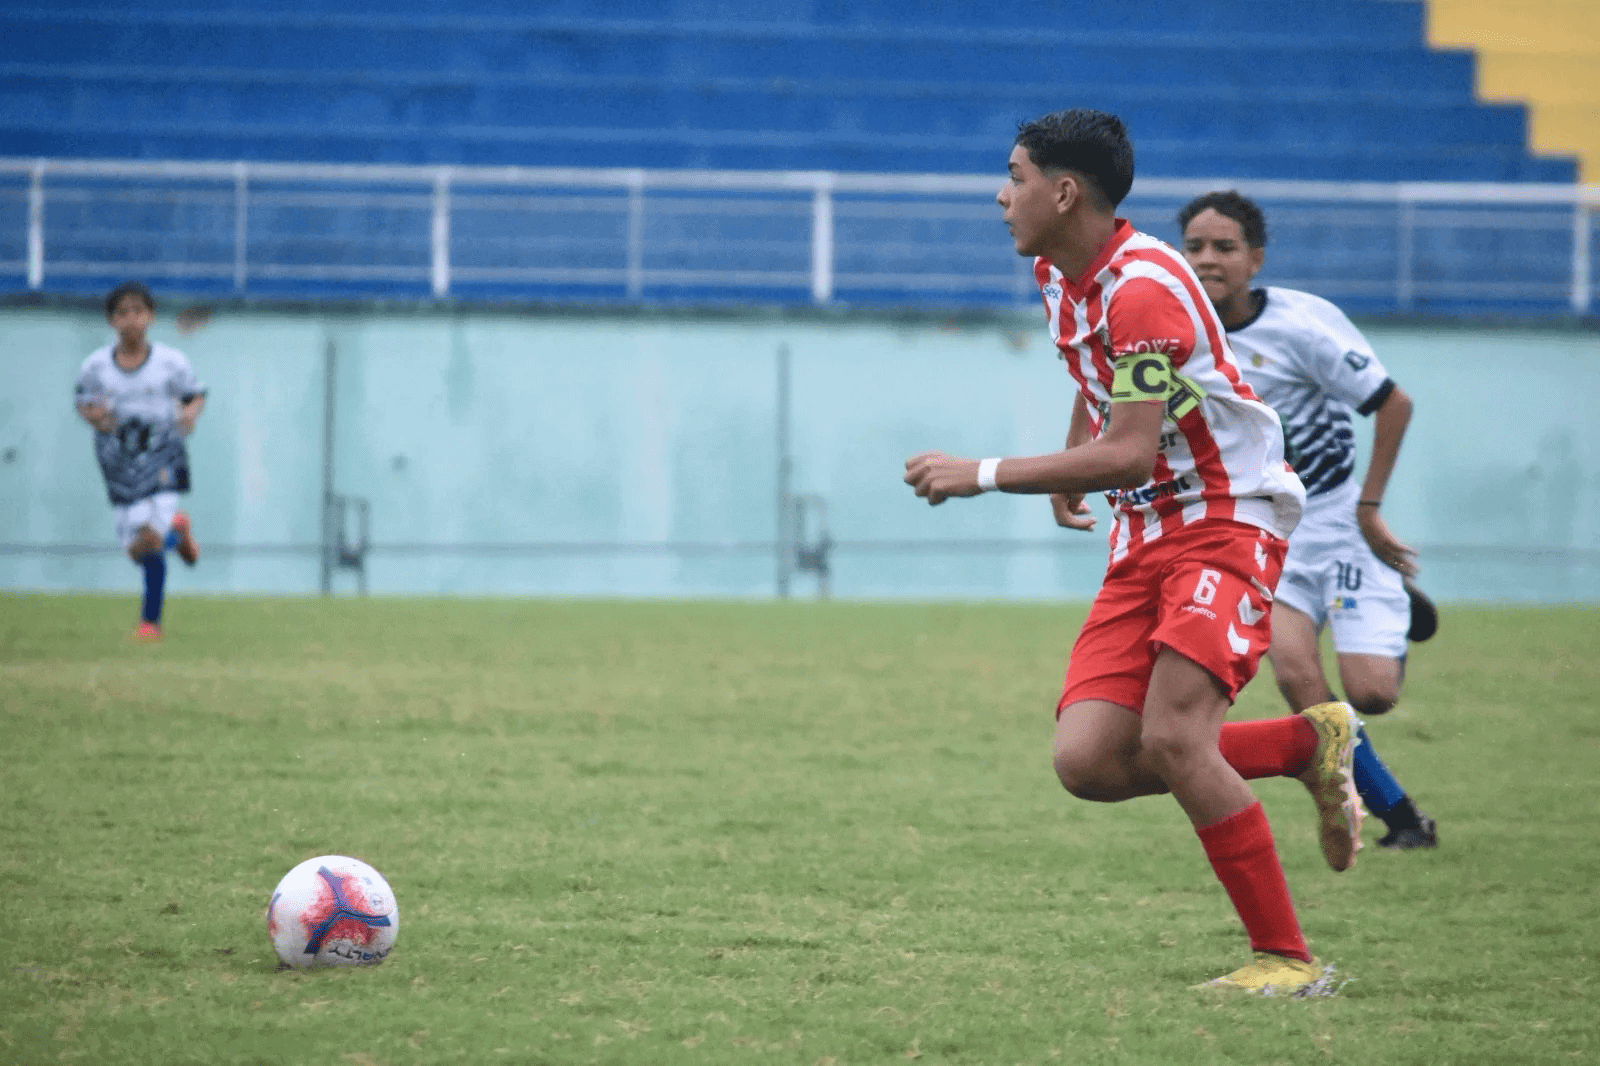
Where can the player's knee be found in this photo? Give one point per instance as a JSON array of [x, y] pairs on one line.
[[1371, 704], [1082, 775], [1169, 751], [145, 542]]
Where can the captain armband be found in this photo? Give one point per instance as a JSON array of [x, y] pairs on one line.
[[1150, 376], [1142, 376]]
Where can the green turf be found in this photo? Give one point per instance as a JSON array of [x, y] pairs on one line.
[[732, 833]]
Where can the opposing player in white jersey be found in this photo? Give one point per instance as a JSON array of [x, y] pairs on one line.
[[1193, 465], [1345, 570], [143, 399]]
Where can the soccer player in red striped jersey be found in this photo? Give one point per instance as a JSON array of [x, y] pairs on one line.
[[1192, 463]]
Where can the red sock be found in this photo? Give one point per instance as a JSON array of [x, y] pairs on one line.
[[1242, 853], [1269, 747]]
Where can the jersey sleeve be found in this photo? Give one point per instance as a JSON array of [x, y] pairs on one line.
[[1344, 365], [183, 385], [1144, 316], [89, 387]]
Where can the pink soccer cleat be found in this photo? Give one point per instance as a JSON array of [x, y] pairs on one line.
[[188, 550]]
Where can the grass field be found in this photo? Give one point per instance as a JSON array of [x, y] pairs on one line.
[[743, 833]]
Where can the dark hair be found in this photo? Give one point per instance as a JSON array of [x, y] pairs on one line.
[[123, 291], [1230, 204], [1092, 143]]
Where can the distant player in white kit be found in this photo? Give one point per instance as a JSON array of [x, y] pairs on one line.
[[143, 399], [1345, 569]]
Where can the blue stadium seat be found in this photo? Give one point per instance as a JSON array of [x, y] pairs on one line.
[[1244, 89], [1342, 89]]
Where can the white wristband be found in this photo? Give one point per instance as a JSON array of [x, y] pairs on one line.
[[986, 472]]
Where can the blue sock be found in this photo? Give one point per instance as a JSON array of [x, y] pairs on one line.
[[1377, 786], [155, 585], [171, 542]]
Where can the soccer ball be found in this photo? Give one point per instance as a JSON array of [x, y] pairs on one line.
[[332, 911]]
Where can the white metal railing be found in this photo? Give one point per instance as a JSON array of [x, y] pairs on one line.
[[628, 233]]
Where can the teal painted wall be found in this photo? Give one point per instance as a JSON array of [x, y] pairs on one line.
[[473, 433]]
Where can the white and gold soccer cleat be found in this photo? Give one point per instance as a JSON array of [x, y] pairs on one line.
[[1330, 778], [1274, 975]]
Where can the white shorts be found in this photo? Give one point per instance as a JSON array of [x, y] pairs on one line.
[[153, 511], [1332, 577]]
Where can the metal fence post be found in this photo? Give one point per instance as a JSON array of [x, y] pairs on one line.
[[441, 233], [1582, 282], [36, 226], [635, 234], [785, 514], [330, 372], [241, 230], [822, 240], [1405, 250]]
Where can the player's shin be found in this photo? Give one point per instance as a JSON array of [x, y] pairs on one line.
[[1245, 859], [1377, 786], [154, 565]]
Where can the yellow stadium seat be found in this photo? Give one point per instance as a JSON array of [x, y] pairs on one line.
[[1544, 53]]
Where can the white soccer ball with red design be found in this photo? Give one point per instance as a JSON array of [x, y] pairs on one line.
[[332, 911]]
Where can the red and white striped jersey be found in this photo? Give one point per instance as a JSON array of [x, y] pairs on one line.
[[1221, 453]]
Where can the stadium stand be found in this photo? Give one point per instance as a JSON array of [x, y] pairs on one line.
[[1345, 90], [1546, 52]]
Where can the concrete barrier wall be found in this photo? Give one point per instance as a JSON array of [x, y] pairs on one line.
[[561, 454]]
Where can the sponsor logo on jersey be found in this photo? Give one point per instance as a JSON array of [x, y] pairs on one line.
[[1343, 603], [1140, 497], [1199, 610], [1357, 361], [1052, 292], [1161, 345]]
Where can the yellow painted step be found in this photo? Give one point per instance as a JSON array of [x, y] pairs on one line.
[[1547, 79], [1544, 53], [1567, 129], [1528, 27]]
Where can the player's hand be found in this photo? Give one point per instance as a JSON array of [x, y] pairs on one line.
[[1389, 550], [1070, 511], [186, 419], [936, 476], [100, 416]]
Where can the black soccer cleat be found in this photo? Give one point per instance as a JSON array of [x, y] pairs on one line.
[[1424, 615], [1424, 835]]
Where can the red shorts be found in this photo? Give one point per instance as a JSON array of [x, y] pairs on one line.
[[1203, 591]]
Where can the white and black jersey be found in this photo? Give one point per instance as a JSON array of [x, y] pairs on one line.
[[1308, 362], [144, 454]]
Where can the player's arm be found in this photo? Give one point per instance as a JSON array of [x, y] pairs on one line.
[[98, 414], [91, 403], [89, 399], [1389, 424], [189, 408], [1078, 428], [1147, 327], [1068, 508], [1120, 458]]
